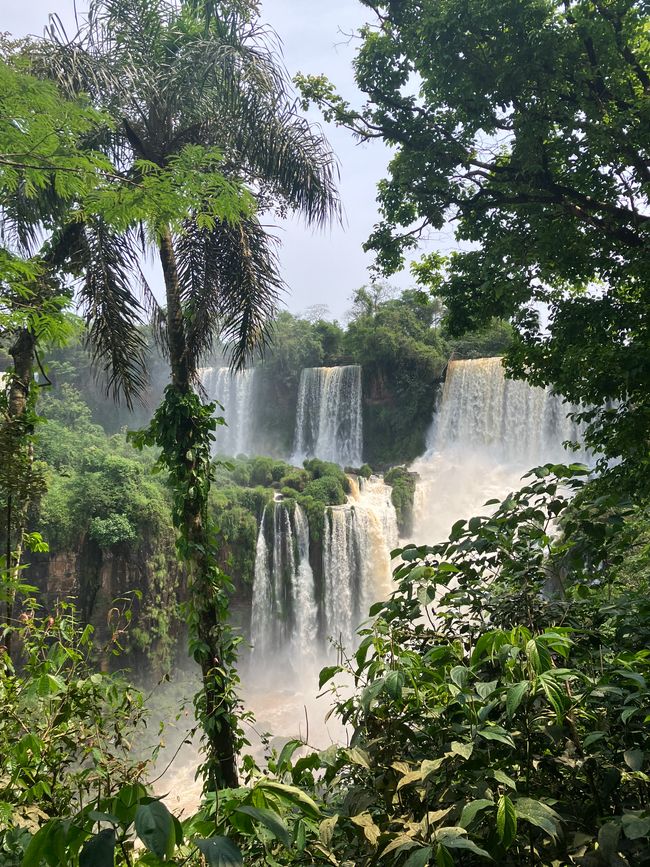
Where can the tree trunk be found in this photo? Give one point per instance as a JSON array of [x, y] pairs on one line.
[[18, 459], [222, 759]]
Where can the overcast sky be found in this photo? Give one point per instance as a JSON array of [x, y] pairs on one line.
[[319, 267]]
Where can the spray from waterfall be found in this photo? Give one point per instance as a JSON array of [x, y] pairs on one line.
[[236, 393], [329, 418], [487, 432]]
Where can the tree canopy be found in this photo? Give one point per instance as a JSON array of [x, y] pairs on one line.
[[526, 126]]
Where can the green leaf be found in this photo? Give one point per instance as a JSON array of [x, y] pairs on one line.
[[419, 858], [394, 684], [292, 794], [50, 684], [443, 857], [506, 821], [99, 851], [220, 852], [270, 820], [460, 676], [538, 814], [451, 840], [326, 830], [635, 827], [459, 749], [634, 759], [358, 757], [155, 827], [471, 810], [370, 829], [515, 696], [496, 733], [327, 673]]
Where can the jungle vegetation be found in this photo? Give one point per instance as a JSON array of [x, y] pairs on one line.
[[500, 704]]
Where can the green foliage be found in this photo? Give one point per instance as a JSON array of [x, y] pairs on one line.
[[403, 485], [511, 722], [66, 728], [527, 125], [114, 530]]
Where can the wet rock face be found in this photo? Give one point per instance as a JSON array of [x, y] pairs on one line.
[[104, 585]]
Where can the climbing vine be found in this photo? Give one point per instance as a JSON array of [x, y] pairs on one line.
[[183, 429]]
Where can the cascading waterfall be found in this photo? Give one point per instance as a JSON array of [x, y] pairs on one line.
[[487, 432], [518, 422], [329, 419], [236, 393], [284, 613], [357, 541]]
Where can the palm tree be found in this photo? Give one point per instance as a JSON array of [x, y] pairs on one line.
[[176, 76]]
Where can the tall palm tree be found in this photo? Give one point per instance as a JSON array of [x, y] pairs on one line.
[[175, 75]]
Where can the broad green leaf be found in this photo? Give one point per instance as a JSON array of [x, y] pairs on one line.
[[471, 810], [515, 696], [419, 858], [430, 766], [326, 830], [460, 676], [155, 827], [506, 821], [635, 826], [394, 683], [443, 857], [358, 757], [50, 684], [99, 851], [409, 779], [485, 689], [538, 656], [370, 829], [220, 852], [496, 733], [292, 794], [399, 844], [538, 814], [634, 759], [464, 750], [454, 837], [327, 673], [270, 820]]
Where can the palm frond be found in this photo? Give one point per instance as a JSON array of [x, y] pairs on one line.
[[231, 286], [112, 311]]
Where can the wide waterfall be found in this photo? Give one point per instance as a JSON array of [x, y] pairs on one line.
[[518, 422], [487, 432], [284, 612], [235, 392], [329, 419]]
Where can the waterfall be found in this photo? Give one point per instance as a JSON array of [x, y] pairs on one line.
[[487, 432], [284, 612], [328, 419], [516, 421], [236, 393], [357, 541]]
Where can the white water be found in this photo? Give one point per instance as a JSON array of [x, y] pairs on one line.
[[329, 419], [235, 392], [357, 541], [487, 433]]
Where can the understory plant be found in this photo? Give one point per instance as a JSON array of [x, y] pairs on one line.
[[501, 709]]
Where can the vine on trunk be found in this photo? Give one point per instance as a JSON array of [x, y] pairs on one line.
[[183, 429]]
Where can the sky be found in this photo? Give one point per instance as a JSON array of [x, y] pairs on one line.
[[324, 266]]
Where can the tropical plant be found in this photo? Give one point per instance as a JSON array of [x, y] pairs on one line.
[[183, 84], [499, 712]]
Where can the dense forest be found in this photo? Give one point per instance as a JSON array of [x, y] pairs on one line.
[[492, 695]]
